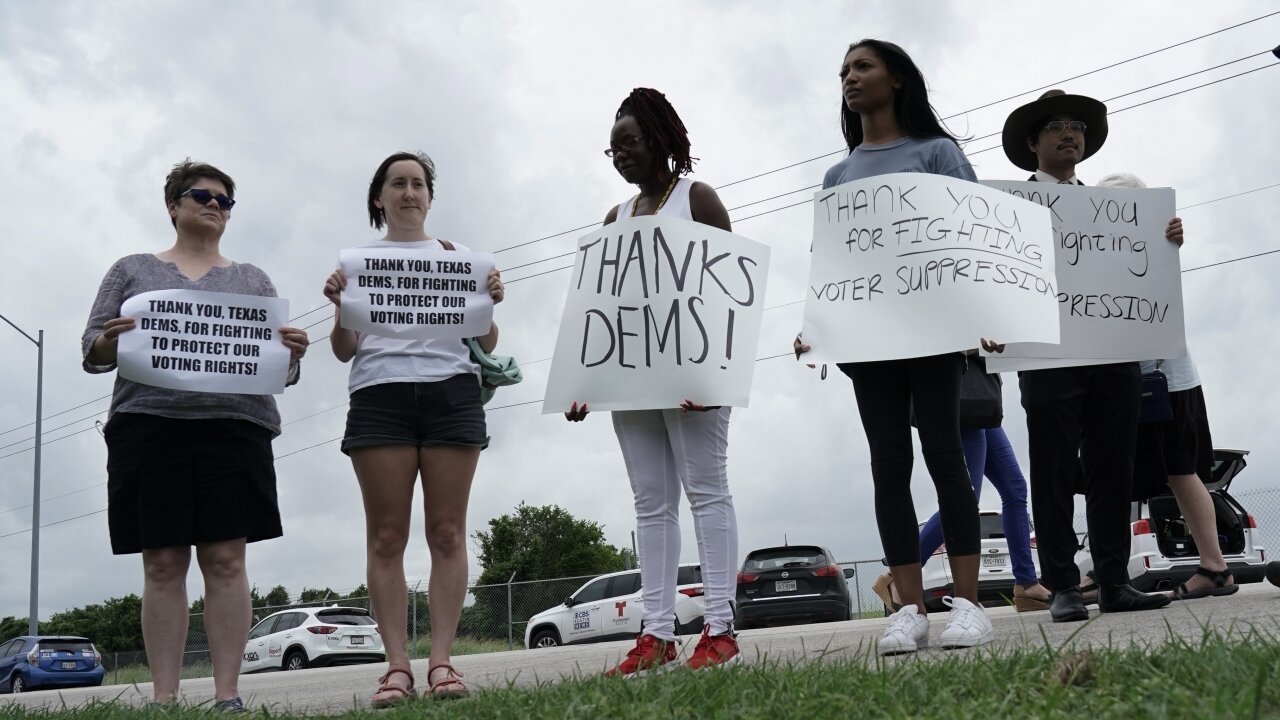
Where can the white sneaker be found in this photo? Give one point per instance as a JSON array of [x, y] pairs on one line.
[[968, 626], [908, 631]]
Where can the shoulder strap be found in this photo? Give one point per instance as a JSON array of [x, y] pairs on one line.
[[446, 244]]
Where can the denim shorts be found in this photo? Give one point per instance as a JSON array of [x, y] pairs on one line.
[[421, 414]]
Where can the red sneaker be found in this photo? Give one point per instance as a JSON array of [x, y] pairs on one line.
[[714, 650], [649, 654]]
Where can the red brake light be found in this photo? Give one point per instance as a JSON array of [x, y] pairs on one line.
[[322, 629], [33, 657], [828, 571], [97, 657], [692, 591], [746, 578], [1033, 541], [1142, 527], [1250, 522]]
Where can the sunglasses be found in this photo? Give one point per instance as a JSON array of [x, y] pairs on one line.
[[204, 196]]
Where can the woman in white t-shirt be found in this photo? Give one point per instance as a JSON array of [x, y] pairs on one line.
[[415, 410]]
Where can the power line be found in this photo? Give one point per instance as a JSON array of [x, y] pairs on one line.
[[63, 412], [959, 114]]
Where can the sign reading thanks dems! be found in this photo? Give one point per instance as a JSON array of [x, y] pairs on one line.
[[659, 310], [912, 264]]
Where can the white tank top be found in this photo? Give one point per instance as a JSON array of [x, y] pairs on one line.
[[677, 205]]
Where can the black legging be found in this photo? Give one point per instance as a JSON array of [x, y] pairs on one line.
[[885, 392]]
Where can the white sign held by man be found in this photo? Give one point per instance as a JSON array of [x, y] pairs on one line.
[[205, 342], [1119, 280], [415, 293], [913, 264], [659, 311]]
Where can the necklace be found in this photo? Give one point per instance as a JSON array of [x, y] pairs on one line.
[[661, 202]]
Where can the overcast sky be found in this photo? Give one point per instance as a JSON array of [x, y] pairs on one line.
[[299, 102]]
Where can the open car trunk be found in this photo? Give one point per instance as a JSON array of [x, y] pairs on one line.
[[1174, 537]]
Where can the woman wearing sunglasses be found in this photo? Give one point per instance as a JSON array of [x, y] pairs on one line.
[[188, 468], [415, 411], [685, 448], [889, 126]]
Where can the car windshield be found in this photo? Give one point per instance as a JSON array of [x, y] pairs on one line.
[[991, 527], [689, 575], [67, 646], [785, 557], [345, 617]]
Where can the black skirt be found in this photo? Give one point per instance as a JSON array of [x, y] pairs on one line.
[[178, 483], [1180, 446]]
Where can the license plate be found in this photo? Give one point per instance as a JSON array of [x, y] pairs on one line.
[[356, 640], [784, 586], [68, 664], [993, 561]]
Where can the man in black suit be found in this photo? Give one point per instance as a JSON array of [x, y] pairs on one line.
[[1082, 421]]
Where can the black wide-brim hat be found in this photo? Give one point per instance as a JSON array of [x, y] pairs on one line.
[[1054, 102]]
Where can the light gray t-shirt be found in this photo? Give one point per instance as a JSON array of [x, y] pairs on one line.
[[137, 274], [937, 155]]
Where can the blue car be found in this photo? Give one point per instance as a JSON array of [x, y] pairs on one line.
[[43, 661]]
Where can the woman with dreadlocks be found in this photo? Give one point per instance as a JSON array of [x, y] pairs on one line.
[[665, 450]]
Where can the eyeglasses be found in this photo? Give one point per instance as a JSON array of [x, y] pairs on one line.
[[1057, 127], [203, 197], [626, 146]]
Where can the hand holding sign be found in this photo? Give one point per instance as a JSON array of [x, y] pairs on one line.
[[207, 341], [414, 293], [659, 310]]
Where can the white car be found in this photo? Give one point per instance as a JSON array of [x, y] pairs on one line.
[[995, 571], [609, 607], [312, 637], [1162, 553]]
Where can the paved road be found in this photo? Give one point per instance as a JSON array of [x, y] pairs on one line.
[[329, 690]]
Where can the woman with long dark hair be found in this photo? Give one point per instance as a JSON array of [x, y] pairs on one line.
[[686, 448], [890, 127]]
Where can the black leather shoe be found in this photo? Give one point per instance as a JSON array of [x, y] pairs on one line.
[[1125, 598], [1068, 606]]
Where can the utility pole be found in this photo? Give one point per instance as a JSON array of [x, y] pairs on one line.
[[32, 627]]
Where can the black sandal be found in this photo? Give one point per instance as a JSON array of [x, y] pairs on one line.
[[1219, 587]]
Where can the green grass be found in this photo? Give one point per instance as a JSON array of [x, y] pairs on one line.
[[133, 674], [466, 646], [1213, 677]]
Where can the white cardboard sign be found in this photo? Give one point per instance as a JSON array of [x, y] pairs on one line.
[[1119, 280], [205, 342], [914, 264], [659, 310], [417, 294]]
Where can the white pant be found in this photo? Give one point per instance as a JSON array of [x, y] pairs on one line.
[[663, 450]]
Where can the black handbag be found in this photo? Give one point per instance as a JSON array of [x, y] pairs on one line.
[[1155, 398], [981, 400]]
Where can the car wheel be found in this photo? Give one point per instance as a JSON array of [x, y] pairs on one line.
[[295, 660], [544, 638], [19, 684]]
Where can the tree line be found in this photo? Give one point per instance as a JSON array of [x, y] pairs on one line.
[[531, 543]]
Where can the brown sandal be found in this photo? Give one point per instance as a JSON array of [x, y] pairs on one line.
[[1023, 602], [449, 687], [388, 695]]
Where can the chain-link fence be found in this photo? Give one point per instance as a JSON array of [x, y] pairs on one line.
[[494, 617]]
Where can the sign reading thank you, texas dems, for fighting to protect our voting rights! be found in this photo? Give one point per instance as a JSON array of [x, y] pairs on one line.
[[913, 264], [205, 342], [416, 293], [659, 310], [1119, 280]]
